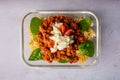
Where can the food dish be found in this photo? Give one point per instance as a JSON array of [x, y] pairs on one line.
[[61, 38]]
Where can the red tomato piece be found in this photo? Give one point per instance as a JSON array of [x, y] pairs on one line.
[[63, 29], [51, 45], [81, 39], [69, 32]]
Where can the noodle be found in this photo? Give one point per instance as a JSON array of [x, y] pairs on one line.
[[77, 19], [89, 34], [82, 57], [33, 43]]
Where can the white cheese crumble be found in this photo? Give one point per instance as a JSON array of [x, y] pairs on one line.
[[60, 42]]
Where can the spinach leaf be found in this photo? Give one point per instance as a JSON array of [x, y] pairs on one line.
[[63, 61], [87, 48], [36, 55], [71, 57], [34, 25], [85, 24]]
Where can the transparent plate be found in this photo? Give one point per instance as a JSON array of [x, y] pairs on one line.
[[26, 37]]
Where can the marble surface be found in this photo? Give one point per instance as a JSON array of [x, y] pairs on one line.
[[12, 66]]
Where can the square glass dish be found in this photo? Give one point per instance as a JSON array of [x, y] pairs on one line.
[[74, 14]]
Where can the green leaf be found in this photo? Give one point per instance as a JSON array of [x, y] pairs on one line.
[[34, 25], [87, 48], [36, 55], [85, 24], [63, 61], [71, 57]]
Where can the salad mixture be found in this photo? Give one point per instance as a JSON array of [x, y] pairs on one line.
[[62, 39]]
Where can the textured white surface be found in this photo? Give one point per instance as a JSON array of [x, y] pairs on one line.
[[12, 66]]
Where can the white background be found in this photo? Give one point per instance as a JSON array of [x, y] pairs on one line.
[[12, 66]]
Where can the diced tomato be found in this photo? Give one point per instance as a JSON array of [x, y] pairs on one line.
[[81, 39], [63, 29], [69, 32], [43, 48], [51, 45]]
